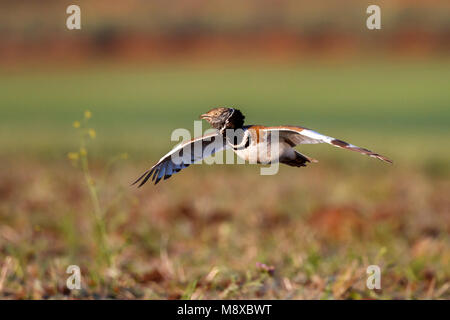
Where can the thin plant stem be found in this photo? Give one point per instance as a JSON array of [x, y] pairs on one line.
[[97, 212]]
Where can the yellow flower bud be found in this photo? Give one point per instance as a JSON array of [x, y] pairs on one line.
[[87, 114], [92, 133], [73, 155], [76, 124], [83, 151]]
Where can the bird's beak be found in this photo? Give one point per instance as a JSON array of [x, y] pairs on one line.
[[204, 116]]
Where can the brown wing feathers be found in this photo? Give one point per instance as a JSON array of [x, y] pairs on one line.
[[299, 135]]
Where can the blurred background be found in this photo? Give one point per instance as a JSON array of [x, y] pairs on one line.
[[145, 68]]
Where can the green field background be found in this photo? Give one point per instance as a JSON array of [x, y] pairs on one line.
[[399, 108]]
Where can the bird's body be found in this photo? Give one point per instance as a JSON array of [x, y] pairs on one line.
[[252, 143], [261, 148]]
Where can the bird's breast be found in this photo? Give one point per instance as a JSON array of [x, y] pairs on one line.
[[260, 149]]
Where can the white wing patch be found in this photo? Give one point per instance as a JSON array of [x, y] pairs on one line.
[[182, 156], [316, 136]]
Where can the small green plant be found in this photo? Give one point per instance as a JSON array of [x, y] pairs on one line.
[[189, 291], [80, 158]]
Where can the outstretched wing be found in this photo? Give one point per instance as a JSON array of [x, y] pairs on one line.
[[298, 135], [182, 156]]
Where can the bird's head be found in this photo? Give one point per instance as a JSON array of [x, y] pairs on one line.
[[224, 118]]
